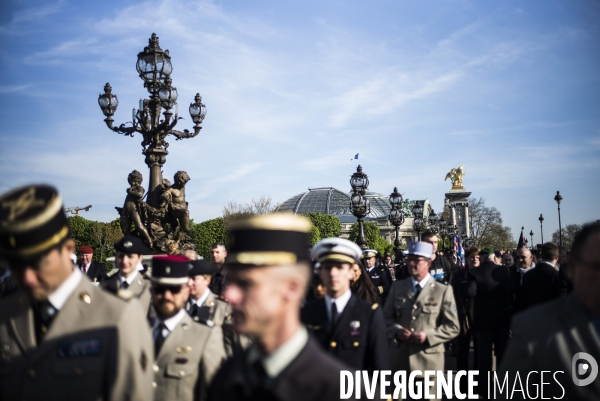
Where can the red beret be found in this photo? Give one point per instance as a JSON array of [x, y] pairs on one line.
[[85, 249]]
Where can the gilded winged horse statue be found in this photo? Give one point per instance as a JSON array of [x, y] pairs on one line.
[[456, 176]]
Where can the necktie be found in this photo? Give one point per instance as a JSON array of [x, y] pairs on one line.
[[44, 315], [417, 290], [160, 338], [334, 313], [258, 376], [124, 285]]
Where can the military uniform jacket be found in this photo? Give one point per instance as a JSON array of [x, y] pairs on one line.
[[139, 288], [546, 338], [433, 312], [212, 312], [311, 376], [187, 361], [358, 339], [381, 282], [97, 348]]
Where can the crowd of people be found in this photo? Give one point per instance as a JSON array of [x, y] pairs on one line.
[[267, 320]]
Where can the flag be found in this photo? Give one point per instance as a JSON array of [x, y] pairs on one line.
[[522, 241], [355, 157], [460, 251]]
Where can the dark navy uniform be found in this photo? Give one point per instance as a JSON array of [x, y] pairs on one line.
[[358, 339], [381, 282]]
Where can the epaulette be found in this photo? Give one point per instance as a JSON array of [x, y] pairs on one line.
[[374, 306], [125, 294]]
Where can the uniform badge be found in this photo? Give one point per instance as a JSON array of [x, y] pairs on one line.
[[181, 360], [354, 326], [74, 349], [210, 323], [430, 300]]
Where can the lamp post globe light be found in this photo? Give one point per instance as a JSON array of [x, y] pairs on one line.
[[434, 220], [558, 199], [154, 68], [359, 204], [418, 222], [531, 236], [396, 218]]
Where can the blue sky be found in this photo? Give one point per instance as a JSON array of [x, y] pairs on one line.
[[294, 89]]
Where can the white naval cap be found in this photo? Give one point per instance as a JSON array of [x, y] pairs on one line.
[[424, 249], [369, 253], [336, 249]]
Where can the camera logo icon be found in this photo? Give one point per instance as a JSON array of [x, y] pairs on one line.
[[581, 369]]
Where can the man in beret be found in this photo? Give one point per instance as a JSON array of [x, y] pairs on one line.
[[60, 336], [379, 275], [187, 354], [420, 316], [128, 282], [269, 271], [347, 327], [94, 270]]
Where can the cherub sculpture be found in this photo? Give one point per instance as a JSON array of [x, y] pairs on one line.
[[131, 211], [456, 176], [178, 208]]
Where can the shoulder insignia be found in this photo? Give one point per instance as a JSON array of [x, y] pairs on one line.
[[374, 306], [311, 327]]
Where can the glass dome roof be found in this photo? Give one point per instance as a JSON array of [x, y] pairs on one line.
[[335, 202]]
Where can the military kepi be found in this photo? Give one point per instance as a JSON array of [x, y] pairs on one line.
[[200, 268], [130, 244], [170, 270], [268, 239], [424, 249], [32, 221]]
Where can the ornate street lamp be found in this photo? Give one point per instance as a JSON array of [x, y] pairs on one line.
[[433, 222], [531, 235], [541, 219], [154, 67], [443, 232], [418, 222], [359, 204], [396, 218], [558, 199]]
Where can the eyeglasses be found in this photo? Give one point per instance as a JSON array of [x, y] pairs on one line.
[[161, 289]]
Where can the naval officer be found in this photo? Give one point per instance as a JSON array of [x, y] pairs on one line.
[[347, 327], [187, 354], [61, 337]]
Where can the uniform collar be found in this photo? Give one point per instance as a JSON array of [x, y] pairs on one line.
[[171, 322], [340, 302], [64, 291], [279, 359], [200, 301], [129, 279], [421, 283]]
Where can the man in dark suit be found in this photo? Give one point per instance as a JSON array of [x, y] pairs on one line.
[[535, 283], [563, 335], [269, 271], [94, 270], [489, 287], [347, 327]]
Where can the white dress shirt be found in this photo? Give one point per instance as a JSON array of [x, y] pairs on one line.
[[340, 303], [129, 279], [64, 291], [200, 301], [421, 283], [171, 323], [279, 359]]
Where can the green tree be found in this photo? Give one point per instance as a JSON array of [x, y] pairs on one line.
[[207, 233], [486, 226], [329, 226], [98, 235], [314, 235], [568, 235], [373, 237]]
